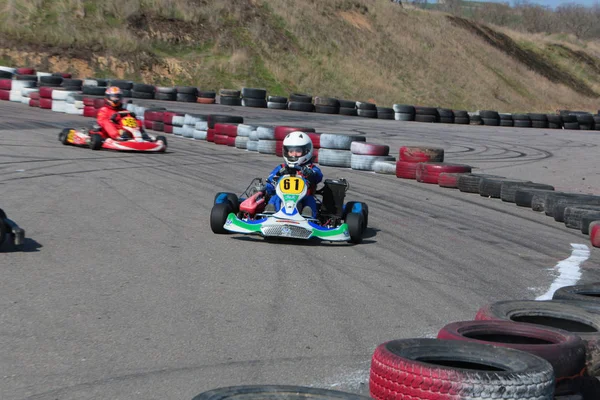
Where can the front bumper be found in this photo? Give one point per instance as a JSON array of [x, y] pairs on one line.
[[18, 233]]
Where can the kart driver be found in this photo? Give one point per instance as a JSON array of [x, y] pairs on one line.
[[298, 154], [113, 103]]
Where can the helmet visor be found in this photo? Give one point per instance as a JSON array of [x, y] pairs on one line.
[[293, 153], [114, 97]]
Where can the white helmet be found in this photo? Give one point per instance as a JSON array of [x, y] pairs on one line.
[[298, 142]]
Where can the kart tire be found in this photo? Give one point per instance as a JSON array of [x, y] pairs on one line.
[[3, 229], [62, 136], [356, 227], [164, 140], [588, 292], [218, 216], [95, 141], [233, 200]]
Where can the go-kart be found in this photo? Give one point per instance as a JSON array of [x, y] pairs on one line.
[[9, 229], [335, 221], [95, 139]]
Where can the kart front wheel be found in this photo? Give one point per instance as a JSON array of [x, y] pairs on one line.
[[163, 138], [62, 136], [355, 222], [218, 216], [95, 141]]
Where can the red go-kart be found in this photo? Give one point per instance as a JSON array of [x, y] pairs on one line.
[[96, 139]]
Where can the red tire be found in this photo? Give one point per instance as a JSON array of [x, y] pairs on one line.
[[167, 127], [429, 172], [5, 84], [220, 139], [226, 129], [205, 100], [315, 155], [565, 351], [433, 369], [99, 103], [168, 116], [369, 149], [46, 103], [406, 169], [87, 101], [148, 123], [421, 154], [210, 135], [34, 95], [158, 126], [46, 92], [595, 233], [89, 111], [231, 141], [449, 179], [34, 103], [4, 94], [26, 71], [154, 116], [282, 131], [316, 139], [66, 75]]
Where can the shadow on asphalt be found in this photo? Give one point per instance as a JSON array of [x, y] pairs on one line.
[[29, 246]]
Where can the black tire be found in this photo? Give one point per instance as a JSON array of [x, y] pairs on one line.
[[300, 98], [277, 99], [524, 195], [142, 95], [586, 220], [213, 119], [165, 96], [218, 216], [3, 228], [366, 113], [253, 93], [556, 314], [469, 183], [509, 189], [322, 109], [207, 94], [230, 101], [187, 98], [191, 90], [565, 351], [233, 200], [62, 136], [355, 222], [143, 88], [589, 292], [364, 209], [353, 112], [164, 139], [300, 106], [95, 141], [281, 392], [474, 369], [252, 102]]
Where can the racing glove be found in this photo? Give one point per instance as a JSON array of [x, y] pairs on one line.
[[307, 172]]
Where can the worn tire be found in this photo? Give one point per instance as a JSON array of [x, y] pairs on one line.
[[448, 370], [218, 216]]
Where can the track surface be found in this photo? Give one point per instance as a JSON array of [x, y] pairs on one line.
[[123, 292]]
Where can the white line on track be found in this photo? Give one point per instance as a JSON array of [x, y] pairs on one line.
[[568, 270]]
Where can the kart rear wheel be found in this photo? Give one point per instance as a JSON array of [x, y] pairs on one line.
[[218, 216], [95, 141], [3, 231], [355, 222], [62, 136], [364, 210]]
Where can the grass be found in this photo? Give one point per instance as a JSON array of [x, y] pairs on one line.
[[369, 50]]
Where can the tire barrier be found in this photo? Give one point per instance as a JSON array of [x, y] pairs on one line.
[[447, 369], [282, 392]]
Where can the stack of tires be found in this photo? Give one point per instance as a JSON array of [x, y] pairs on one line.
[[334, 149], [189, 125], [366, 109], [186, 94], [154, 119], [506, 119], [521, 121], [365, 155], [426, 114], [225, 134], [300, 102], [267, 144], [46, 97], [243, 135], [165, 93], [23, 82], [172, 119], [200, 128], [516, 349], [142, 91], [489, 117], [5, 86], [277, 102], [446, 115], [206, 96], [230, 97], [461, 117], [213, 119], [403, 112], [411, 156], [538, 120], [254, 97], [430, 171], [385, 113], [327, 105], [125, 86]]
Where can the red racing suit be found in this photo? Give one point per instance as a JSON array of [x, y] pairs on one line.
[[108, 127]]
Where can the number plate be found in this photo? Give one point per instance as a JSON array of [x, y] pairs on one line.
[[129, 122], [71, 136], [291, 185]]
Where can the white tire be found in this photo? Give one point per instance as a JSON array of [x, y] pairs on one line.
[[266, 146], [241, 142], [339, 141], [365, 163], [266, 133], [199, 134], [335, 158]]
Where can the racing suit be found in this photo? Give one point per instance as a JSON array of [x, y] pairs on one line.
[[313, 177], [108, 127]]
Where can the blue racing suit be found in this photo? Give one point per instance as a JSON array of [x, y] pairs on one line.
[[313, 177]]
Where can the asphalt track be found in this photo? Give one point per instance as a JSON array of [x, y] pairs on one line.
[[123, 292]]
